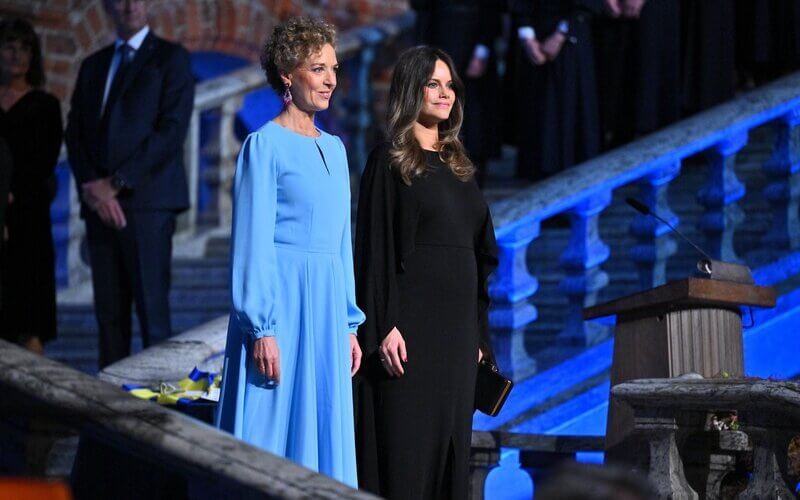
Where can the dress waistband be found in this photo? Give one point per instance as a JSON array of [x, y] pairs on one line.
[[302, 249]]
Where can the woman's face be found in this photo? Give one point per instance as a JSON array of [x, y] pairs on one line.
[[312, 82], [15, 59], [438, 96]]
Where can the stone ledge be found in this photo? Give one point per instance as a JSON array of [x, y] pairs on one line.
[[38, 387], [202, 347]]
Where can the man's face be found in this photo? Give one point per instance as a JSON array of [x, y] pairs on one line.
[[129, 16]]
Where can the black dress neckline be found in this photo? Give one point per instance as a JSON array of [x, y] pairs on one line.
[[13, 106]]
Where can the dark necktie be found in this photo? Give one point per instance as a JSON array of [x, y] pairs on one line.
[[126, 54]]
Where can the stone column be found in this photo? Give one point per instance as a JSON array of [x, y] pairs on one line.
[[511, 310], [228, 150], [769, 465], [581, 261], [719, 196], [783, 189], [653, 244], [540, 465], [666, 466], [191, 163], [481, 463]]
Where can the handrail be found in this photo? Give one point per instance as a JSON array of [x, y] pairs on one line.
[[48, 391], [635, 160]]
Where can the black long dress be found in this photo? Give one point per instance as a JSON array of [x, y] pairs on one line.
[[5, 179], [639, 72], [558, 121], [709, 53], [32, 129], [423, 256]]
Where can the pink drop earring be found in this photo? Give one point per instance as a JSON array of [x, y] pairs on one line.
[[287, 96]]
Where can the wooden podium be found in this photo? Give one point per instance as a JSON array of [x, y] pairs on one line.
[[688, 326]]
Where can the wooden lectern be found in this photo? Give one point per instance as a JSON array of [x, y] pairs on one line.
[[688, 326]]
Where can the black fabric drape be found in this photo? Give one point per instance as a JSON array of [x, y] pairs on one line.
[[33, 130], [423, 256], [639, 71]]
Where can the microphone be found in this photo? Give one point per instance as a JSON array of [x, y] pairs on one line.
[[708, 267]]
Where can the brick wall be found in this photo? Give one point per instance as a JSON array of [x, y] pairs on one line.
[[72, 29]]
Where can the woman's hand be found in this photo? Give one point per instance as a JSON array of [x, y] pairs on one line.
[[355, 354], [480, 355], [393, 353], [267, 358], [534, 52], [551, 47]]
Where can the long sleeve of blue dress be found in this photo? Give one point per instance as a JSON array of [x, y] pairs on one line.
[[253, 263]]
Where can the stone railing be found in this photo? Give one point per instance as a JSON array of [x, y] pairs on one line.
[[356, 51], [696, 448], [539, 454], [585, 191], [203, 346], [56, 421]]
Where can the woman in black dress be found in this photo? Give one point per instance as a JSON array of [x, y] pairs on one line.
[[424, 250], [30, 123]]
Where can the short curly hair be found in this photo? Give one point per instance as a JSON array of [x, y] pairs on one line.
[[292, 42]]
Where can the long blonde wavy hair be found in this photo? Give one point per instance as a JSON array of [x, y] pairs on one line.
[[412, 72]]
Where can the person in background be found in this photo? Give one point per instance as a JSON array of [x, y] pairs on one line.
[[767, 39], [638, 68], [127, 123], [556, 92], [30, 124], [425, 248], [291, 346], [5, 180], [709, 53], [467, 30]]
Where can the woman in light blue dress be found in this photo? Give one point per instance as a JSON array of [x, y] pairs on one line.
[[291, 346]]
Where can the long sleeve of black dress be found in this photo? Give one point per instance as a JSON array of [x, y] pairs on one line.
[[384, 235]]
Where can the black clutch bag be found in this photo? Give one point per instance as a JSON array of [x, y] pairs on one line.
[[491, 388]]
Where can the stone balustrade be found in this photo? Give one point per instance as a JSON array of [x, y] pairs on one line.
[[584, 192], [55, 421], [689, 457]]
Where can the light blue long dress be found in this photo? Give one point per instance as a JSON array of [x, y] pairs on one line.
[[292, 278]]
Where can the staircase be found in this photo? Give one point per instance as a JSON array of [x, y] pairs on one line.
[[199, 294]]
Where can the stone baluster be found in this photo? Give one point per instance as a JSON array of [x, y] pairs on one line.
[[653, 245], [666, 467], [191, 162], [783, 189], [370, 38], [719, 196], [228, 150], [540, 465], [769, 465], [724, 461], [481, 463], [581, 261], [510, 291]]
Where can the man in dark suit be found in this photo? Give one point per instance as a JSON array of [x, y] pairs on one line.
[[127, 122]]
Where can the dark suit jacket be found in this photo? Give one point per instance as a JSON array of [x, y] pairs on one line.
[[142, 135]]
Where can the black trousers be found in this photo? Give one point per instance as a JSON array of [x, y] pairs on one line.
[[131, 265]]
